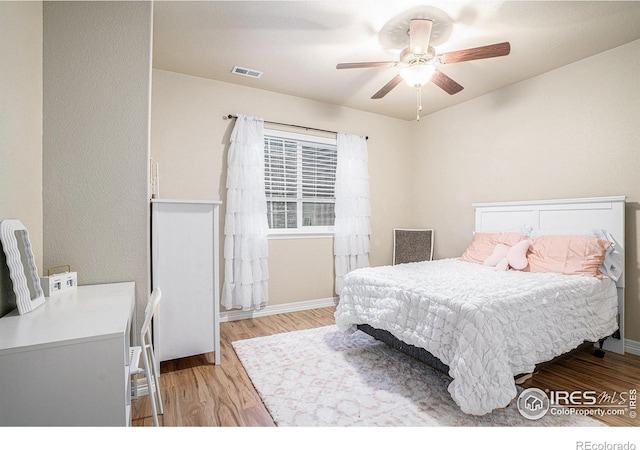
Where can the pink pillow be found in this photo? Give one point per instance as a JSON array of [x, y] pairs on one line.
[[570, 255], [483, 244]]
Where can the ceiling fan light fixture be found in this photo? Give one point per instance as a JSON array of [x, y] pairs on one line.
[[418, 62], [417, 75]]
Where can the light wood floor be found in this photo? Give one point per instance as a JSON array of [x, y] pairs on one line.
[[198, 393]]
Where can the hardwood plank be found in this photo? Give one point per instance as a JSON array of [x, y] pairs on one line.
[[198, 393], [613, 374]]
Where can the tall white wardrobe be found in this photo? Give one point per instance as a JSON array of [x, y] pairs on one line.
[[185, 265]]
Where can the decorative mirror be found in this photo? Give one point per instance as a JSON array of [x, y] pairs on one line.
[[22, 267]]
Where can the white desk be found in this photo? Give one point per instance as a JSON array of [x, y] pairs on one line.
[[66, 362]]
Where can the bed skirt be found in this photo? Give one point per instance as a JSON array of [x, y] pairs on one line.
[[416, 352], [427, 358]]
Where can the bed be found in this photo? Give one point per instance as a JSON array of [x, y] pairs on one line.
[[483, 325]]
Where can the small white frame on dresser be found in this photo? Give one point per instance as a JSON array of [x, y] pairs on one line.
[[606, 213]]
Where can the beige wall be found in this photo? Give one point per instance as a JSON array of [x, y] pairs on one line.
[[190, 140], [21, 125], [97, 86], [573, 132]]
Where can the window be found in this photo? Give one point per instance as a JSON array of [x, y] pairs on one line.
[[300, 177]]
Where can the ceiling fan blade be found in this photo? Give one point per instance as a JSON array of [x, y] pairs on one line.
[[364, 65], [487, 51], [445, 83], [419, 35], [387, 87]]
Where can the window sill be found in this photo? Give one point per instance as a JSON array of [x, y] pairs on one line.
[[300, 234]]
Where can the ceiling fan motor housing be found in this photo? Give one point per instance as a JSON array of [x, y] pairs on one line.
[[408, 57]]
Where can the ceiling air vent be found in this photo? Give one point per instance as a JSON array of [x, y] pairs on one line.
[[246, 72]]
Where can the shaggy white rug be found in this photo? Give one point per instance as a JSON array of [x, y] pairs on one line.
[[321, 377]]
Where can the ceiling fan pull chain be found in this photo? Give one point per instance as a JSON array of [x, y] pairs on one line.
[[419, 102]]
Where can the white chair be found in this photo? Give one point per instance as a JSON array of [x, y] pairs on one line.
[[148, 358]]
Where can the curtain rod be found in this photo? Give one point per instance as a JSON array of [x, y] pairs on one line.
[[231, 116]]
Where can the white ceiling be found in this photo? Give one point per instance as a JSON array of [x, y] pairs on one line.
[[297, 44]]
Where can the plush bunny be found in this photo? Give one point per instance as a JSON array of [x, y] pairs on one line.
[[505, 257]]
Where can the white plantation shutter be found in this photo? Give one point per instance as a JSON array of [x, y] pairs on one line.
[[300, 176], [281, 182], [318, 171]]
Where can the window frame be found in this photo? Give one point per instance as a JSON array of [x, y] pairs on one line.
[[301, 231]]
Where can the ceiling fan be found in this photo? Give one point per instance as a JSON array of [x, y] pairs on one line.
[[419, 62]]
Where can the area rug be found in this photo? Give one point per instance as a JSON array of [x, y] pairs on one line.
[[322, 377]]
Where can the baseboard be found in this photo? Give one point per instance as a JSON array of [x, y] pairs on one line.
[[236, 314], [632, 347]]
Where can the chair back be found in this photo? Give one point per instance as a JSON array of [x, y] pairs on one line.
[[412, 245], [151, 369], [150, 310]]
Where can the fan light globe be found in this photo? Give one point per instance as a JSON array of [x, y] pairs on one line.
[[417, 75]]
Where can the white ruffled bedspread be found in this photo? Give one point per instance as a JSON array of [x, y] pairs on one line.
[[486, 325]]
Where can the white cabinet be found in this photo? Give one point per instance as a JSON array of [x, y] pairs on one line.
[[185, 265], [66, 363]]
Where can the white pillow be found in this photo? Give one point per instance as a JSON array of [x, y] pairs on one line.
[[613, 264]]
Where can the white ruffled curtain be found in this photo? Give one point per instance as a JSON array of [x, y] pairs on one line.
[[352, 230], [246, 248]]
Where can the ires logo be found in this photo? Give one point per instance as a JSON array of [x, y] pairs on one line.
[[575, 398], [534, 403], [590, 398]]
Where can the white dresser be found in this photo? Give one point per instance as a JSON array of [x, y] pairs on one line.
[[66, 363], [185, 265]]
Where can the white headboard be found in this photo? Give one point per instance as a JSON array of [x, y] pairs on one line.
[[605, 213]]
